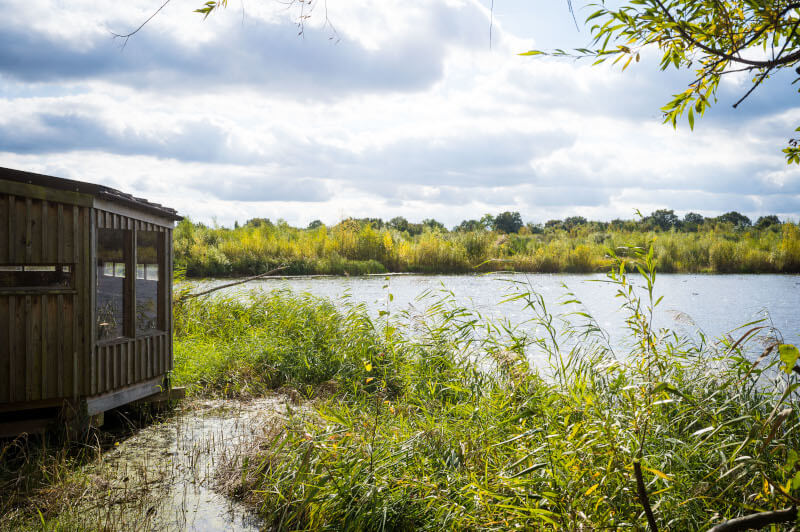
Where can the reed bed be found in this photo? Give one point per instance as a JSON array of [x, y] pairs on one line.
[[355, 247], [240, 347], [440, 421]]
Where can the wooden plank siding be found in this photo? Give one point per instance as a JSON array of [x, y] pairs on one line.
[[111, 220], [38, 343], [126, 361], [48, 346]]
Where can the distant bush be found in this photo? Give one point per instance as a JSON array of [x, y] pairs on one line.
[[723, 257]]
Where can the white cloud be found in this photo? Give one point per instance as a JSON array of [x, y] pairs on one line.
[[410, 114]]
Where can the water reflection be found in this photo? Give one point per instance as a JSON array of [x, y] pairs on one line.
[[711, 304], [163, 477]]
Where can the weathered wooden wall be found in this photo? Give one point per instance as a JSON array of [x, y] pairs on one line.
[[48, 347], [44, 332], [126, 361]]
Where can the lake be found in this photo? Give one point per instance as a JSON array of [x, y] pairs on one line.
[[713, 304]]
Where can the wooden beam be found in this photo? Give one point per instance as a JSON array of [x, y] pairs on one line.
[[28, 349], [12, 231], [87, 293], [131, 212], [103, 403], [44, 350], [44, 193], [28, 230], [129, 286], [30, 405], [60, 237], [162, 303], [12, 348], [35, 291], [168, 275], [60, 345], [81, 347], [173, 394]]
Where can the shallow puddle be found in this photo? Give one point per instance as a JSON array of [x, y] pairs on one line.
[[162, 478]]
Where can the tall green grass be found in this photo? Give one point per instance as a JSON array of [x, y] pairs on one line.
[[441, 421], [355, 248], [231, 347]]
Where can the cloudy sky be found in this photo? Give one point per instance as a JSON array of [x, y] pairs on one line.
[[385, 108]]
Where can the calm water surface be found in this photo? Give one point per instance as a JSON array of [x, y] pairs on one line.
[[712, 304], [163, 477]]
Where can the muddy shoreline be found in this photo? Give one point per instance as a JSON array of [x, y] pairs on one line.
[[164, 475]]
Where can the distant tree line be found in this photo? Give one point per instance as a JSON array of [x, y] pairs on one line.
[[510, 222], [663, 220], [729, 243]]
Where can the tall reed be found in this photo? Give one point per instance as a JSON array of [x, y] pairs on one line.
[[444, 423], [355, 247]]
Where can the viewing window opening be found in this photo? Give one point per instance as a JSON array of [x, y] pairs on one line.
[[58, 276], [149, 255], [112, 256]]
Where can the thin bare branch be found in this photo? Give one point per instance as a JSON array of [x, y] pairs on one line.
[[767, 71], [228, 285], [142, 25], [643, 498]]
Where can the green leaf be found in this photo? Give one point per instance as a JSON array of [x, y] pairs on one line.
[[628, 62], [702, 431], [657, 473], [530, 469], [796, 481], [791, 459], [789, 355], [595, 15], [532, 52]]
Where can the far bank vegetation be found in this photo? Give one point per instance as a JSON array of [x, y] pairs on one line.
[[729, 243]]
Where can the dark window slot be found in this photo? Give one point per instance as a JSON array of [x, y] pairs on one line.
[[36, 276]]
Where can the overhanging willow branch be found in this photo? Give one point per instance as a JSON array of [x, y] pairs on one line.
[[729, 56]]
